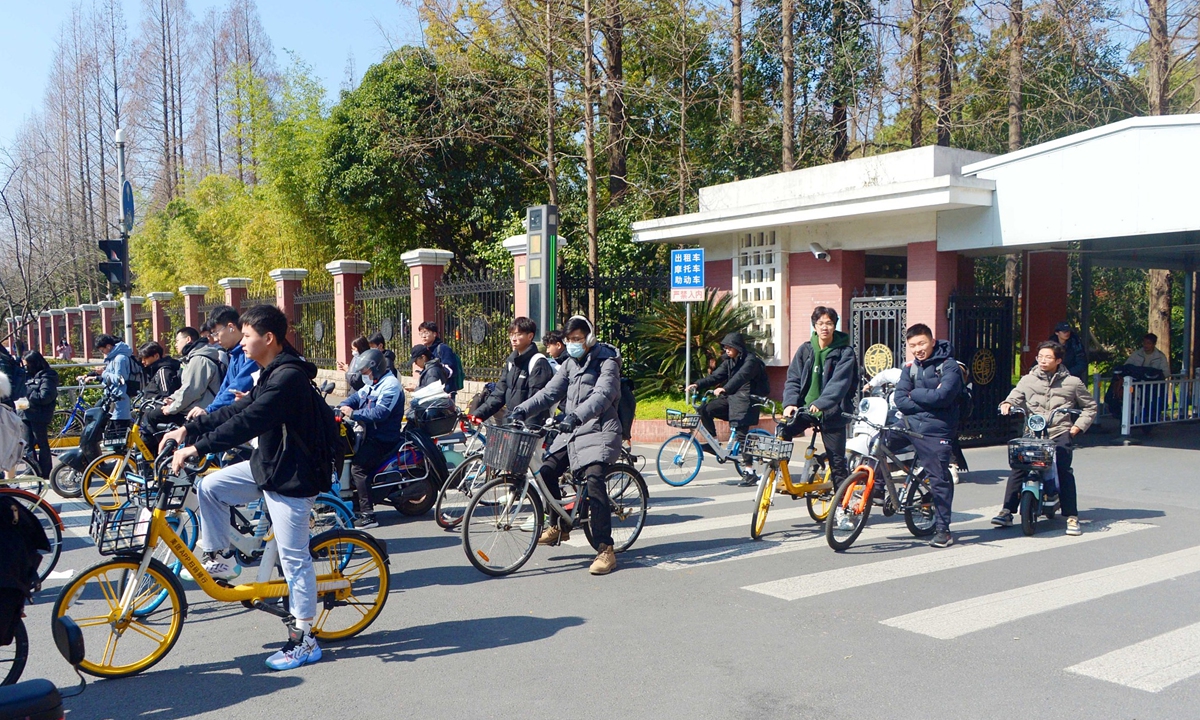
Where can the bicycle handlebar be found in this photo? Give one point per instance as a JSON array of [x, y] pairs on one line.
[[884, 428]]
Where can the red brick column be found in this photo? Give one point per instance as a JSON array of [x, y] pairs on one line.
[[72, 325], [347, 274], [88, 312], [9, 337], [108, 311], [235, 291], [288, 282], [32, 339], [57, 323], [426, 266], [814, 282], [517, 246], [931, 279], [1047, 281], [159, 323], [193, 298], [135, 307], [45, 344]]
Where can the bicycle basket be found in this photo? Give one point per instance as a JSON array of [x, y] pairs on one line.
[[682, 420], [766, 447], [146, 493], [120, 531], [1030, 453], [508, 451], [113, 439]]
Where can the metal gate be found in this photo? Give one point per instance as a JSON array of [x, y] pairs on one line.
[[981, 334], [877, 327]]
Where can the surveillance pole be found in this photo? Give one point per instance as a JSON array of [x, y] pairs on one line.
[[128, 309]]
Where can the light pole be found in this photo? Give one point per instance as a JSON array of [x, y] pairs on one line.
[[126, 226]]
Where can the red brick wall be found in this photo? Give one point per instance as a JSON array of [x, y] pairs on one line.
[[931, 279], [718, 274], [815, 282], [1047, 282]]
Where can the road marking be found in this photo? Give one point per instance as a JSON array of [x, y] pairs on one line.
[[1151, 665], [746, 548], [86, 512], [947, 622], [60, 574], [678, 503], [654, 532], [973, 553]]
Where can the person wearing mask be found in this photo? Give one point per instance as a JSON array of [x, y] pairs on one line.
[[114, 374], [740, 375], [379, 408], [588, 384], [927, 394], [428, 331], [282, 406], [526, 372], [41, 394], [160, 370], [376, 342], [1148, 355], [821, 379], [1075, 359], [555, 347], [202, 378], [358, 346], [239, 369]]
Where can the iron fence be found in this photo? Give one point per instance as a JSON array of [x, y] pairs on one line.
[[877, 327], [621, 300], [385, 306], [250, 302], [316, 327], [473, 314]]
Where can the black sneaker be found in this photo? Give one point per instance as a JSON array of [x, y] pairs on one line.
[[942, 539], [1050, 500], [365, 521]]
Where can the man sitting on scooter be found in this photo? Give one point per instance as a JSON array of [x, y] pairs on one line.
[[379, 408], [1049, 387]]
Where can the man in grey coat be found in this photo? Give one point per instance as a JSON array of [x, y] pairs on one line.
[[588, 383], [201, 380]]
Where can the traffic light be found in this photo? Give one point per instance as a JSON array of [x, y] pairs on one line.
[[116, 267]]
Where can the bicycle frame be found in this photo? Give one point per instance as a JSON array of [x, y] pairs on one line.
[[883, 457], [116, 476]]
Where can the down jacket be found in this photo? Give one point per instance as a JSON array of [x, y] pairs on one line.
[[1042, 393], [589, 388], [839, 379], [929, 401], [42, 392], [741, 377], [526, 373]]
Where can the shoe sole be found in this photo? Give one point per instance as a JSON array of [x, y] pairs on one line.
[[946, 544], [308, 661], [601, 572], [1002, 523]]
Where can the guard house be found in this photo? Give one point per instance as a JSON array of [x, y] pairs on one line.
[[891, 240]]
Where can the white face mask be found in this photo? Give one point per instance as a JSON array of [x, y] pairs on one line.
[[575, 350]]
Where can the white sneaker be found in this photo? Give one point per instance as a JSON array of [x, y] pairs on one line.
[[300, 649], [954, 473], [217, 567]]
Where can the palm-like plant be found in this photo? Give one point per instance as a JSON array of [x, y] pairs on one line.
[[660, 338]]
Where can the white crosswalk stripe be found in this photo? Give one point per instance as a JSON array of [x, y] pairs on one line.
[[1151, 665]]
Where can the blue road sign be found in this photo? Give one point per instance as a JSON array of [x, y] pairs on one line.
[[127, 206], [687, 275]]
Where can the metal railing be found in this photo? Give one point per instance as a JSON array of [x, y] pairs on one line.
[[1156, 402]]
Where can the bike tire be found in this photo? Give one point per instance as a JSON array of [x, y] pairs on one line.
[[419, 506], [49, 520], [846, 521], [919, 515], [14, 655], [66, 481], [453, 498], [741, 468], [99, 485], [1029, 513], [679, 460], [355, 556], [65, 424], [494, 536], [819, 505], [329, 513], [762, 504], [90, 608], [628, 499], [186, 526]]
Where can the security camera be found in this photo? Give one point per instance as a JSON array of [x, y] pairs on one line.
[[818, 252]]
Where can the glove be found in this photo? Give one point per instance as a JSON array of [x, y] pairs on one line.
[[569, 423], [516, 415]]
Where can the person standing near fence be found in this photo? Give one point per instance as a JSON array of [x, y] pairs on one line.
[[1149, 356], [443, 352], [239, 369], [376, 342], [41, 393]]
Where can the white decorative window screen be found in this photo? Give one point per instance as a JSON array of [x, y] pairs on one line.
[[759, 284]]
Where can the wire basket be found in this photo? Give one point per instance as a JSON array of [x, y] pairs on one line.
[[120, 531], [766, 447], [1030, 453], [113, 439], [682, 420], [508, 451], [146, 493]]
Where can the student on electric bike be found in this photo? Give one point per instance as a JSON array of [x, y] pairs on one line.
[[379, 408], [740, 375]]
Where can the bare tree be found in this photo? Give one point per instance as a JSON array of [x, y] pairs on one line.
[[787, 91]]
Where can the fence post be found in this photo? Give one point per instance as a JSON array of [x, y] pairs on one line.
[[107, 308], [1126, 408], [235, 291], [347, 274], [135, 307], [73, 336], [288, 282], [518, 246], [87, 312], [159, 324], [55, 329], [193, 298], [32, 338], [426, 267]]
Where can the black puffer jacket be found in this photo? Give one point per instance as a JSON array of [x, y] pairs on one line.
[[42, 392], [519, 382], [741, 377], [838, 382], [277, 412], [930, 401]]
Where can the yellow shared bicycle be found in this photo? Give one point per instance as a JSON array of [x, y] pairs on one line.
[[814, 484], [103, 481], [131, 608]]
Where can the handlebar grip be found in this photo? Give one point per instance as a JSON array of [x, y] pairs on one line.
[[917, 435]]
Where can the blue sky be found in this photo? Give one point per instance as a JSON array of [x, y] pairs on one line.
[[322, 32]]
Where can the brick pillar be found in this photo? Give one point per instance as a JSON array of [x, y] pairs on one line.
[[966, 276], [32, 340], [10, 336], [87, 314], [426, 267], [159, 324], [135, 307], [347, 274], [814, 282], [517, 246], [235, 291], [193, 298], [931, 279], [57, 321], [1047, 280], [288, 282], [44, 342], [73, 334], [108, 309]]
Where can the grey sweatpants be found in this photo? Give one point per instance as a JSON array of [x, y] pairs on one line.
[[234, 485]]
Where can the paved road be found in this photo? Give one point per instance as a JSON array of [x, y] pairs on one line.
[[701, 622]]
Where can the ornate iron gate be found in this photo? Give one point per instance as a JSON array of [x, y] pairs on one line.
[[877, 331], [982, 337], [473, 314]]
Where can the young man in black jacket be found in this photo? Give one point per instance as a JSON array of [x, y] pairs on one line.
[[927, 394], [740, 375], [526, 372], [822, 379], [278, 411]]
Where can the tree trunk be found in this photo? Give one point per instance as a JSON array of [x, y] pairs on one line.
[[787, 51], [1160, 309], [840, 140], [916, 94], [551, 109], [589, 153], [737, 109], [1016, 23], [945, 69], [614, 40], [1158, 79]]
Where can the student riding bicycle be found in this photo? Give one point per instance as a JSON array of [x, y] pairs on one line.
[[526, 373], [588, 383], [740, 375], [379, 407], [1048, 387]]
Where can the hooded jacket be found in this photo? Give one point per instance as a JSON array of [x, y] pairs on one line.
[[239, 373], [277, 412], [930, 400], [434, 371], [116, 372], [588, 388], [525, 374], [839, 377], [741, 377], [1042, 393], [203, 375], [380, 408], [1074, 357], [162, 377], [41, 389]]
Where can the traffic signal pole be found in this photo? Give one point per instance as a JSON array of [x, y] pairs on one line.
[[127, 311]]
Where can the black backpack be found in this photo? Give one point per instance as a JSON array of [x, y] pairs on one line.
[[966, 399], [15, 372], [136, 379], [626, 408], [326, 449]]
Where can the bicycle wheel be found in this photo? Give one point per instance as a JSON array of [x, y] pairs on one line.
[[66, 481], [819, 505], [354, 556], [501, 526], [679, 460], [1029, 513], [627, 497], [328, 513], [743, 468], [186, 526], [850, 512], [65, 424], [762, 504], [50, 521], [918, 508], [118, 646], [102, 483], [452, 501], [14, 655]]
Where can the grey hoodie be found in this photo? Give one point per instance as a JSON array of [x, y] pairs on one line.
[[201, 377]]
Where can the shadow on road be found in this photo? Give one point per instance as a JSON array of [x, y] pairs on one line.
[[451, 637]]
